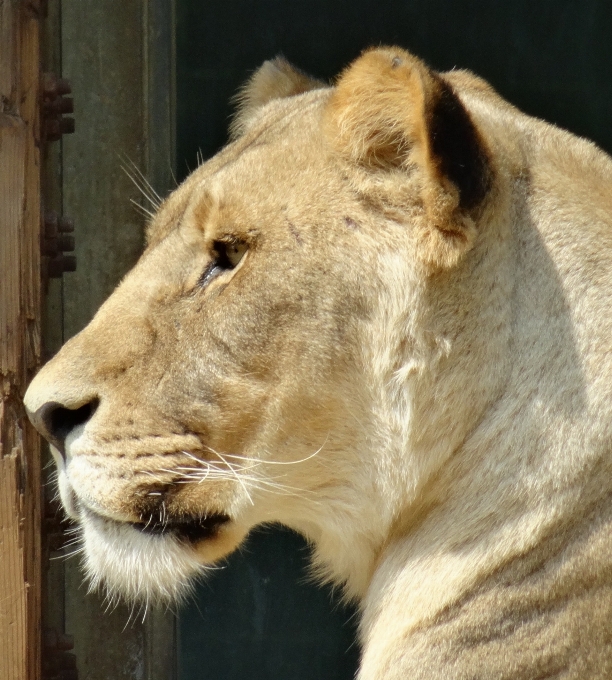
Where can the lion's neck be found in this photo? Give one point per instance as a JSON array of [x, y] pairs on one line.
[[538, 611], [346, 542]]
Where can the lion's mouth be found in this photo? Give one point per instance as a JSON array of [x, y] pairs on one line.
[[188, 530]]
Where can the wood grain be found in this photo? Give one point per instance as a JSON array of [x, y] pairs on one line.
[[20, 494]]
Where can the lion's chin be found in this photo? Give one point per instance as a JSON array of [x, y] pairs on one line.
[[148, 566]]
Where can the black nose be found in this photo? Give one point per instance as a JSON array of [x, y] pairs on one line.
[[55, 422]]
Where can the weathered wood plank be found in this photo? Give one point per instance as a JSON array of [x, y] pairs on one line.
[[31, 493], [12, 192], [20, 507], [13, 605], [8, 18]]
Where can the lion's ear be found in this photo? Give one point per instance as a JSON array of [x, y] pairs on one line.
[[390, 111], [274, 79]]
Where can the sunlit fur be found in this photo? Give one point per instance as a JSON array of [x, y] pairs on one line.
[[137, 566], [419, 383]]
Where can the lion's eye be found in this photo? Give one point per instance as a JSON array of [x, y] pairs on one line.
[[230, 253], [227, 256]]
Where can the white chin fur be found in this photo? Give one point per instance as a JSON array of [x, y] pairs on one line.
[[136, 565]]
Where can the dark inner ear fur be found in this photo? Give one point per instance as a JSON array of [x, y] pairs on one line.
[[457, 148], [389, 109]]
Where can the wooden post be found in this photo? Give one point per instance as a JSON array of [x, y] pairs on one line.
[[20, 507]]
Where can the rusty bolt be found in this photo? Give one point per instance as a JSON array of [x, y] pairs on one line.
[[65, 243], [69, 263], [58, 106], [65, 105], [54, 640], [67, 126], [60, 264], [50, 247], [65, 225], [53, 132], [58, 126], [63, 87], [56, 236], [55, 87]]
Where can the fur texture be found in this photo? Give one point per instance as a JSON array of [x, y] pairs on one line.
[[381, 316]]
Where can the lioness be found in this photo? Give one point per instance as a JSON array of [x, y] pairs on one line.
[[380, 316]]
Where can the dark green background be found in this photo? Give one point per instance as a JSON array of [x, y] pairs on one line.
[[257, 619], [260, 617], [552, 58]]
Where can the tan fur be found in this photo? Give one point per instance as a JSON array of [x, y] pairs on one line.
[[411, 365], [274, 79]]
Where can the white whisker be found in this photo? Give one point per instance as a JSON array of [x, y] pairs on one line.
[[141, 182], [65, 556], [142, 209]]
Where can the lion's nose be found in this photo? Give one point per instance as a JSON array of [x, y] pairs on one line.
[[55, 421]]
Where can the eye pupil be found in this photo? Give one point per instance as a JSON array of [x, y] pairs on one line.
[[227, 256]]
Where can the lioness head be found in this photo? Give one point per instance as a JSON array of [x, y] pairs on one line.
[[380, 316], [304, 339], [271, 357]]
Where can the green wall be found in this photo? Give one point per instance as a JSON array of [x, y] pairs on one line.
[[552, 58], [260, 617]]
